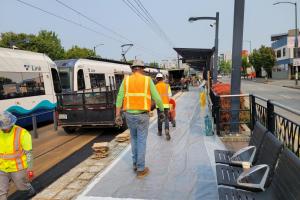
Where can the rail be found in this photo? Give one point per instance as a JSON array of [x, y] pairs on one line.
[[34, 121]]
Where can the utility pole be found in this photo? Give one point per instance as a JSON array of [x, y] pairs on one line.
[[237, 47]]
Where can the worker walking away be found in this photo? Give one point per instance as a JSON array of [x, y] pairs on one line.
[[16, 157], [165, 93], [134, 97]]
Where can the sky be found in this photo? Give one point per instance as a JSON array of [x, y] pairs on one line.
[[261, 20]]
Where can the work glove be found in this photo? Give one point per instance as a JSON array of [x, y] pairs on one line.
[[119, 121], [30, 175], [161, 116]]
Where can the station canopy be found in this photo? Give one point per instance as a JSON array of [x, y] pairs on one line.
[[196, 58]]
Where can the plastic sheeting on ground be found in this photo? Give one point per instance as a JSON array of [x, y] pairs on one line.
[[182, 168]]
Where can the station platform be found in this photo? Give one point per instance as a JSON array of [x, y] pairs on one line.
[[183, 168]]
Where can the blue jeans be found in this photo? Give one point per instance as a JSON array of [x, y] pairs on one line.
[[138, 125]]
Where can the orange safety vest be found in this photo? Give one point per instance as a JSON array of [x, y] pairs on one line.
[[137, 92], [14, 159], [163, 90]]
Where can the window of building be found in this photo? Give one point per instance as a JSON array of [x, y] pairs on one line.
[[283, 52], [278, 53], [17, 84], [97, 80]]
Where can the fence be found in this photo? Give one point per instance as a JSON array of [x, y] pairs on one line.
[[34, 121], [282, 121]]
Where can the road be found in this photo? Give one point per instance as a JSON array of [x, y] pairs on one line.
[[286, 96]]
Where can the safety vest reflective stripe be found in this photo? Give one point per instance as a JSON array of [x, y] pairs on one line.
[[126, 92], [17, 149], [145, 93]]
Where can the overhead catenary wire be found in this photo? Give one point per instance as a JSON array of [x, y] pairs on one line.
[[139, 3], [142, 13], [106, 28], [86, 27]]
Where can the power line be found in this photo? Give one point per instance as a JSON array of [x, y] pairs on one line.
[[145, 16], [105, 27], [80, 25], [67, 20]]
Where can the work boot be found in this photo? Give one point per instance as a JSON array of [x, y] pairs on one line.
[[159, 133], [168, 137], [142, 174]]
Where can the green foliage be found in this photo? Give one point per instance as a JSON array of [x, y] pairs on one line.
[[77, 52], [154, 64], [245, 65], [263, 57], [225, 67], [44, 42]]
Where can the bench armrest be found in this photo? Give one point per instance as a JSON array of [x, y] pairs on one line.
[[245, 154], [255, 177]]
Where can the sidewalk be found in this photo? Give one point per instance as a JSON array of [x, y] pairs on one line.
[[183, 168], [277, 82]]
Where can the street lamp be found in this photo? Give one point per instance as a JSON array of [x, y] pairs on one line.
[[125, 50], [296, 34], [96, 47], [249, 41], [215, 67]]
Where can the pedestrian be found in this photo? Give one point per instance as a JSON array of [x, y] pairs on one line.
[[165, 93], [134, 97], [16, 157]]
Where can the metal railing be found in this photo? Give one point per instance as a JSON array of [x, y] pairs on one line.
[[282, 121], [33, 117]]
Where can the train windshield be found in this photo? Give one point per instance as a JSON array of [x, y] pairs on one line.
[[66, 74]]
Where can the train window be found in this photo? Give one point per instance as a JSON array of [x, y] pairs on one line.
[[80, 80], [17, 84], [97, 80], [65, 75], [119, 79], [56, 83]]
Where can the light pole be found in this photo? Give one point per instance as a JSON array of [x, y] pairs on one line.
[[296, 35], [96, 47], [215, 67], [124, 50], [249, 41]]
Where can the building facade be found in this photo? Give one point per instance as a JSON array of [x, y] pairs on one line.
[[283, 46]]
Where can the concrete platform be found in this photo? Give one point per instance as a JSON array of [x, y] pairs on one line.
[[182, 168]]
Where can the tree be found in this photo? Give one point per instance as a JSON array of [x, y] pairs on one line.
[[77, 52], [263, 57], [225, 67], [44, 42], [154, 64], [245, 65]]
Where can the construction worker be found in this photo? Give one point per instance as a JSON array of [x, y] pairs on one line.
[[135, 95], [165, 93], [16, 157]]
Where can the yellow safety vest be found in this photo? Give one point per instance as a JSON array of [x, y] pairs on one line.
[[163, 90], [137, 92], [12, 147]]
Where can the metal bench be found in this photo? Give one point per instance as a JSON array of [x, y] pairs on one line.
[[260, 173], [285, 183], [244, 154]]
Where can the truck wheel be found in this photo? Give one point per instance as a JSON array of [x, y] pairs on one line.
[[69, 129]]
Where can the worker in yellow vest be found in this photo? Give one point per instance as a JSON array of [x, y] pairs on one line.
[[16, 158], [165, 93], [134, 97]]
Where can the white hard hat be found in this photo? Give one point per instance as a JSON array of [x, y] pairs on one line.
[[159, 75], [138, 63]]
